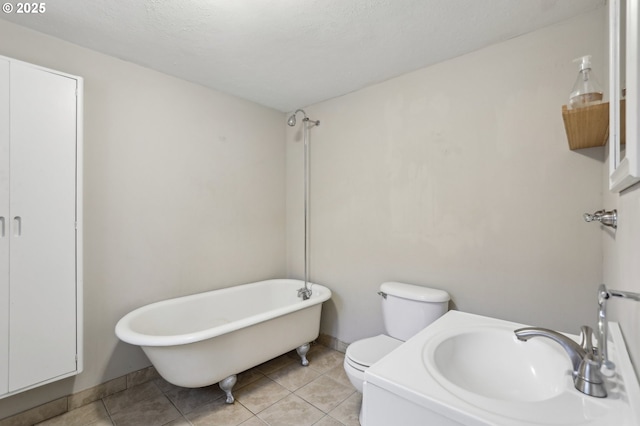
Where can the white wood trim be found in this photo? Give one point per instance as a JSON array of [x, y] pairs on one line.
[[626, 171]]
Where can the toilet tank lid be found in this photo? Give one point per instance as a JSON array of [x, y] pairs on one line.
[[414, 292]]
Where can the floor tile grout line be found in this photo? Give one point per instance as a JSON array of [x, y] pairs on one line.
[[106, 410], [326, 412], [137, 402], [332, 418], [270, 405], [184, 417]]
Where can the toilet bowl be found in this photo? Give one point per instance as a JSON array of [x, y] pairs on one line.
[[406, 309], [364, 353]]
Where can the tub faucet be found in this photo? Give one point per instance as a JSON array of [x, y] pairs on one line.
[[304, 293], [586, 367]]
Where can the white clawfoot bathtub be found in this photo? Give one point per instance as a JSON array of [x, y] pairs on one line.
[[206, 338]]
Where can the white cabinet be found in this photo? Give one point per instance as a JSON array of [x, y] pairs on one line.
[[624, 73], [4, 226], [40, 226]]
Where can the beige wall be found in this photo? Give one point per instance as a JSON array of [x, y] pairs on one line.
[[457, 176], [184, 192]]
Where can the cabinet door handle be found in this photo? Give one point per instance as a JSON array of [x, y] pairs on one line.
[[17, 226], [1, 226]]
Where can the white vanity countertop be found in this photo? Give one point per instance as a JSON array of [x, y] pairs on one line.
[[403, 373]]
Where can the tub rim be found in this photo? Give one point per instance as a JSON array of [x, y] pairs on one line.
[[125, 333]]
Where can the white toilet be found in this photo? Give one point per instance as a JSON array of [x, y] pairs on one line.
[[406, 309]]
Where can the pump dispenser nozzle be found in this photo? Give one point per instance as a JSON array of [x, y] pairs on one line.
[[584, 61], [586, 90]]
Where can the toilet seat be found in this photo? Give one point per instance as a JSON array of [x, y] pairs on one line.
[[364, 353]]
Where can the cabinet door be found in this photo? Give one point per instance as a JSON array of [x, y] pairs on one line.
[[624, 71], [4, 223], [42, 342]]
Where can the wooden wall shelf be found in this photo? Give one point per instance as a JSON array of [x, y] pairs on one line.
[[589, 126]]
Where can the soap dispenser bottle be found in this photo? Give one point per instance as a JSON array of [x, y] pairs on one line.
[[586, 90]]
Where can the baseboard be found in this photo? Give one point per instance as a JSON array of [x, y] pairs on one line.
[[332, 343]]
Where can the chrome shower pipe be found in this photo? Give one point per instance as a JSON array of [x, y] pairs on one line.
[[305, 292], [292, 119]]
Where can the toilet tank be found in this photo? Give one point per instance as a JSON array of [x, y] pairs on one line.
[[407, 308]]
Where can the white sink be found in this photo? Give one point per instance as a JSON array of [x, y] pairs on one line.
[[471, 370], [493, 363]]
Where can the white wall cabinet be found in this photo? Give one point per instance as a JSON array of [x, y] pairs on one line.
[[40, 226], [624, 73]]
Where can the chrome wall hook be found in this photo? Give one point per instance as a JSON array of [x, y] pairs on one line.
[[607, 218]]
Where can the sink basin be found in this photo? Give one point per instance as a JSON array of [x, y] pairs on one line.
[[493, 363], [471, 370]]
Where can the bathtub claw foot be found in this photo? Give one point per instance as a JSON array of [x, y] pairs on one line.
[[302, 353], [227, 386]]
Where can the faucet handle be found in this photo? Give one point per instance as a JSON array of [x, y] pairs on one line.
[[588, 379], [607, 368], [586, 339]]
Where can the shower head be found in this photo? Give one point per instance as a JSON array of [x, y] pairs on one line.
[[292, 119]]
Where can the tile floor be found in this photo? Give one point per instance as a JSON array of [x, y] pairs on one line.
[[279, 392]]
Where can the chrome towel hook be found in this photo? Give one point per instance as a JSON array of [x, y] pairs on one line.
[[607, 218]]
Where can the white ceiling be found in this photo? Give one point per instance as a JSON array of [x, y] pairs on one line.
[[287, 54]]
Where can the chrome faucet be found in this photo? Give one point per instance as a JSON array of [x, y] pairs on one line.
[[589, 363], [304, 293], [586, 367]]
